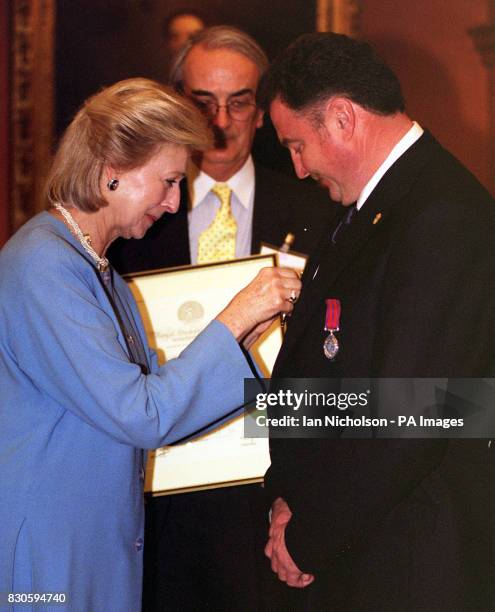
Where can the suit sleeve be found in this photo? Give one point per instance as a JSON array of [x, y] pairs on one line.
[[436, 315]]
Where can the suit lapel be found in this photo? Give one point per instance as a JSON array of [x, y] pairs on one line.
[[331, 260], [271, 215], [175, 238], [260, 207], [258, 220]]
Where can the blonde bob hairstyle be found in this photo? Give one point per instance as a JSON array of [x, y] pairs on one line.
[[121, 127]]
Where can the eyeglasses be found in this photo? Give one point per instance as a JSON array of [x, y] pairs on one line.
[[239, 110]]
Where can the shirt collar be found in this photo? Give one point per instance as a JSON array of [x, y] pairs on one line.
[[242, 183], [400, 148]]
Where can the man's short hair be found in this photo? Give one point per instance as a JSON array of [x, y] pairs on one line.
[[318, 66], [218, 37]]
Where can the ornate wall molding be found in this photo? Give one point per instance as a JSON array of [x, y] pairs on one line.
[[32, 103], [341, 16]]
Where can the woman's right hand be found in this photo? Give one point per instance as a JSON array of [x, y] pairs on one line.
[[272, 292]]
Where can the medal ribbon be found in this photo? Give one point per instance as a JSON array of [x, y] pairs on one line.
[[332, 317]]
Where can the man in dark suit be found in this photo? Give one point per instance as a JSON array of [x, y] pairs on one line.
[[382, 524], [204, 549]]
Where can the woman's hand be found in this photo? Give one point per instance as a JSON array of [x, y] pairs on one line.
[[272, 292]]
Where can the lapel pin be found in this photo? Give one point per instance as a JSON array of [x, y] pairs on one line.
[[377, 218]]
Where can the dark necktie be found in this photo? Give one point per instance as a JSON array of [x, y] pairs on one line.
[[344, 222]]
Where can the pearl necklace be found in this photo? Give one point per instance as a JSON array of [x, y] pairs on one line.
[[85, 239]]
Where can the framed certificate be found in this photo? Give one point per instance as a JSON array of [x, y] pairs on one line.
[[176, 304], [287, 259]]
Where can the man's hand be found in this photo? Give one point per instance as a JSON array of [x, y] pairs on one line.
[[276, 550]]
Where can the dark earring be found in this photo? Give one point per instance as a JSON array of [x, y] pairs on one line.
[[113, 184]]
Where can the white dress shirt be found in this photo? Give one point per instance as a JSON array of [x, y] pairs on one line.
[[400, 148], [203, 206]]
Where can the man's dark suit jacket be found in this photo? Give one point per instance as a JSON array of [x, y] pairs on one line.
[[281, 205], [389, 525], [204, 551]]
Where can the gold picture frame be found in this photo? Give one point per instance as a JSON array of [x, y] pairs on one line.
[[341, 16], [32, 103]]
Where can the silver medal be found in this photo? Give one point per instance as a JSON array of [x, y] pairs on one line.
[[331, 345]]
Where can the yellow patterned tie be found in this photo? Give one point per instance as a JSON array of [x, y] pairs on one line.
[[217, 242]]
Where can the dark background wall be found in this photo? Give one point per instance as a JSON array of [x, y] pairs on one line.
[[427, 43], [99, 42]]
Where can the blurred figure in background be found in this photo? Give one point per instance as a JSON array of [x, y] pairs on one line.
[[179, 27]]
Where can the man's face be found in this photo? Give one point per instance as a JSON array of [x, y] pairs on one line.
[[222, 76], [316, 150]]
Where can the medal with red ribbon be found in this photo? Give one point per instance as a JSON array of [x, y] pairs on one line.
[[332, 322]]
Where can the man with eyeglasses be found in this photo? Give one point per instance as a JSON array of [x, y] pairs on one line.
[[204, 550], [219, 69]]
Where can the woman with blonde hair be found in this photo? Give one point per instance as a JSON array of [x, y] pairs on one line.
[[82, 393]]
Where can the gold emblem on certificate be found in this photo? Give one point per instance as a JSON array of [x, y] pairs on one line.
[[332, 322]]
